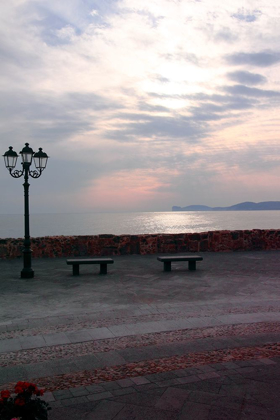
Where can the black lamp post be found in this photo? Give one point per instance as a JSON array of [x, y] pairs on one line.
[[40, 160]]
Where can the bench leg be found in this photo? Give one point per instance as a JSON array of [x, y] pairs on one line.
[[76, 269], [167, 265], [192, 265], [103, 268]]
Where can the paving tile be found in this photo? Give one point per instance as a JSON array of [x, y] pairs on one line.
[[205, 369], [258, 413], [208, 375], [243, 363], [229, 365], [180, 372], [142, 328], [74, 401], [196, 411], [119, 331], [205, 322], [147, 387], [99, 396], [188, 379], [12, 374], [130, 412], [62, 394], [105, 410], [79, 336], [94, 389], [48, 397], [267, 361], [56, 339], [32, 342], [123, 391], [172, 399], [38, 371], [12, 344], [167, 382], [109, 386], [100, 333], [79, 392], [125, 382], [110, 358], [143, 399], [88, 362], [55, 404], [204, 386], [203, 397], [139, 354], [140, 380], [224, 413], [235, 402]]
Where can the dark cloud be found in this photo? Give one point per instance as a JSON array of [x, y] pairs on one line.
[[51, 117], [157, 127], [260, 59], [254, 92], [247, 78], [247, 16]]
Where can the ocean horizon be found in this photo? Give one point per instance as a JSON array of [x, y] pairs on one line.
[[135, 223]]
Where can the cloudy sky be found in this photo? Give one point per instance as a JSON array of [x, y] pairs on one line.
[[141, 104]]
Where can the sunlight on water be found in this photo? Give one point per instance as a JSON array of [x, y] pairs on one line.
[[11, 226]]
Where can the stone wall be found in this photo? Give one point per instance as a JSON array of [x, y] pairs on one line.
[[68, 246]]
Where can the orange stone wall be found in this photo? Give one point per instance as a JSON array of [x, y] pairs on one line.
[[98, 245]]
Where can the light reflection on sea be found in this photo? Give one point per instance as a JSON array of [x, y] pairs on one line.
[[11, 226]]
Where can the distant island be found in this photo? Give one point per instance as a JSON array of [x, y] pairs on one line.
[[247, 205]]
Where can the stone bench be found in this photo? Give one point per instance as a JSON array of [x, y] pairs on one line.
[[76, 262], [169, 259]]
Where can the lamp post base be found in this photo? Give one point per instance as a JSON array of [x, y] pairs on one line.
[[27, 273]]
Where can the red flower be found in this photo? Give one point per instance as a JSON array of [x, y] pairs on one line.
[[18, 389], [20, 401], [40, 392], [26, 385], [5, 394]]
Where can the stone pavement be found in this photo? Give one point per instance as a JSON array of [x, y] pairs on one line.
[[144, 342]]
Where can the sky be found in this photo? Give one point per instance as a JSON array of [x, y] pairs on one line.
[[141, 104]]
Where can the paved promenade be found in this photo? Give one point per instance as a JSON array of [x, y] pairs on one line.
[[139, 341]]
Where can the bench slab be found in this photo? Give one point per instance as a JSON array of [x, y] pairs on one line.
[[75, 262], [167, 260]]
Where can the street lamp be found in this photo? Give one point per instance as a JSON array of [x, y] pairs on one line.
[[40, 159]]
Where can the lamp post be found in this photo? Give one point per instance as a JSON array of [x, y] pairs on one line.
[[40, 160]]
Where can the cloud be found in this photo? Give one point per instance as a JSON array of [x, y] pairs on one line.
[[51, 117], [247, 16], [115, 88], [251, 92], [260, 59], [226, 35], [155, 127], [247, 78]]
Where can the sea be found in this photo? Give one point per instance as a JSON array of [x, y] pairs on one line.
[[12, 226]]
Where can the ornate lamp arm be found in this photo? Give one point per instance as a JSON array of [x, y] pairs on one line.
[[35, 173], [16, 173]]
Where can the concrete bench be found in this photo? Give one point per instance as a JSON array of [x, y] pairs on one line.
[[169, 259], [76, 262]]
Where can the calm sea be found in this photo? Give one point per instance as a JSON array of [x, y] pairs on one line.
[[12, 226]]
